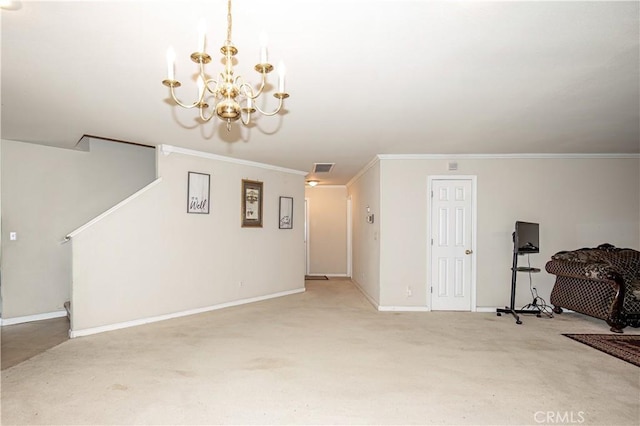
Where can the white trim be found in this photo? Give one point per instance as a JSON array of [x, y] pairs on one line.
[[505, 156], [31, 318], [127, 324], [307, 246], [362, 171], [487, 310], [370, 299], [111, 210], [349, 236], [169, 149], [403, 309], [474, 236], [321, 186]]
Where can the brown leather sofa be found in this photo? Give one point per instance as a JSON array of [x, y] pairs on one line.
[[603, 282]]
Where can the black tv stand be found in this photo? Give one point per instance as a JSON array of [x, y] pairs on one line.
[[511, 308]]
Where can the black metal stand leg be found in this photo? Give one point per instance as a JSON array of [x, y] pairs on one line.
[[511, 308], [508, 310]]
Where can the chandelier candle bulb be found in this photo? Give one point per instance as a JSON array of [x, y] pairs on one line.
[[171, 57], [264, 39], [281, 72], [200, 88], [201, 35]]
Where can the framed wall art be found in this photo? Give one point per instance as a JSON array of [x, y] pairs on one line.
[[251, 204], [286, 213], [198, 193]]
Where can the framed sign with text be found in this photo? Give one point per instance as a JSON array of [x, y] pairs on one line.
[[198, 193]]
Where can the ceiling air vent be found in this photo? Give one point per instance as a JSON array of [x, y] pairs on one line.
[[323, 167]]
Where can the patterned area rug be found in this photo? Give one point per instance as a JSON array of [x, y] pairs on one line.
[[625, 347], [315, 277]]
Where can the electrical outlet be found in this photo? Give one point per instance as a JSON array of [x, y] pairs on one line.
[[240, 284], [409, 291], [13, 236]]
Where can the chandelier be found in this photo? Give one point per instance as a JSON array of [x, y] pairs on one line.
[[233, 97]]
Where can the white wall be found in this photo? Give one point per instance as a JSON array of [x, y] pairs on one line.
[[578, 202], [327, 230], [364, 191], [47, 192], [150, 259]]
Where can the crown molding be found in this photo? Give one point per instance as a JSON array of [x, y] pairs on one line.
[[170, 149], [327, 187], [561, 156], [362, 171]]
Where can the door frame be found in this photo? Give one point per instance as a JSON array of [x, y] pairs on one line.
[[307, 255], [474, 233], [349, 237]]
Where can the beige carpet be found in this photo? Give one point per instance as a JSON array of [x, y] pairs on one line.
[[326, 357]]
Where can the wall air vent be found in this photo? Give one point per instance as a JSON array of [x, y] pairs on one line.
[[323, 167]]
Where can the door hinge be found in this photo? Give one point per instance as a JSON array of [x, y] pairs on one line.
[[432, 241], [431, 290], [431, 194]]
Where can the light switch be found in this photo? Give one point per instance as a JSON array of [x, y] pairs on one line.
[[13, 236]]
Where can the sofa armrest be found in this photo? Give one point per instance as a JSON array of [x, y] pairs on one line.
[[590, 271]]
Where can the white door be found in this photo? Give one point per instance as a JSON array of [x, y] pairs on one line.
[[451, 244]]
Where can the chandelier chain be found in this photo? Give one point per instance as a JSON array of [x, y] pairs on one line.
[[229, 22]]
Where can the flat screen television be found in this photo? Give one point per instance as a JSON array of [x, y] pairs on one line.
[[526, 238]]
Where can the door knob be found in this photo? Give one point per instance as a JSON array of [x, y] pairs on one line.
[[468, 251]]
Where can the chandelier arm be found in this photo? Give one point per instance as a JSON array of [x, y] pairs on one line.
[[205, 119], [247, 91], [269, 114], [246, 123], [176, 100], [262, 84], [209, 89]]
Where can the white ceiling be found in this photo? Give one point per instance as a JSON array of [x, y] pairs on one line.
[[365, 77]]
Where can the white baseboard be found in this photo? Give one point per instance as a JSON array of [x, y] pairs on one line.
[[364, 293], [31, 318], [486, 309], [127, 324], [403, 309]]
